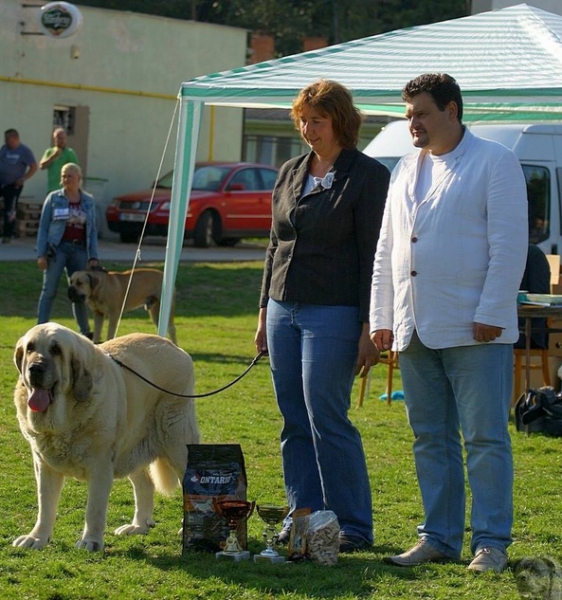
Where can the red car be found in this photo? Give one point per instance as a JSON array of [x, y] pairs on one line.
[[228, 201]]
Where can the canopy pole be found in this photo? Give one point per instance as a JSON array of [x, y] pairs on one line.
[[189, 125]]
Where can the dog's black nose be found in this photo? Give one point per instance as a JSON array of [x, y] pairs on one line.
[[74, 296], [36, 368], [37, 372]]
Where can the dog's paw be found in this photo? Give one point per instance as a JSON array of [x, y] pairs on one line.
[[133, 529], [89, 545], [30, 541]]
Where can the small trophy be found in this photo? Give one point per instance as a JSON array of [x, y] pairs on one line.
[[233, 511], [271, 515]]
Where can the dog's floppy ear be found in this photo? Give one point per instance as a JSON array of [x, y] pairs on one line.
[[18, 355], [82, 380]]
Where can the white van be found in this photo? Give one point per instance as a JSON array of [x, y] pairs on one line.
[[539, 149]]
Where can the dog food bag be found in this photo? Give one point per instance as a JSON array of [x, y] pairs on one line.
[[213, 471], [323, 537], [297, 539]]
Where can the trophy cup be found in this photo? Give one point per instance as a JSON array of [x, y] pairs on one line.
[[271, 515], [233, 511]]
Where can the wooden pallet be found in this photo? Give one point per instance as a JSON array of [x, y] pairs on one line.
[[27, 228], [29, 211], [28, 216]]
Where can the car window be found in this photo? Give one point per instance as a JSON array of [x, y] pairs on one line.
[[209, 177], [268, 177], [166, 181], [538, 195], [249, 178]]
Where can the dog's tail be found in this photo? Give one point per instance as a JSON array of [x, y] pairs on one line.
[[164, 476]]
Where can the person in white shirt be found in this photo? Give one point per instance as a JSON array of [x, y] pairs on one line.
[[448, 264]]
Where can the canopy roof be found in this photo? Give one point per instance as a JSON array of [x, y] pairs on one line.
[[508, 64]]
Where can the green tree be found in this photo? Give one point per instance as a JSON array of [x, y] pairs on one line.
[[289, 21]]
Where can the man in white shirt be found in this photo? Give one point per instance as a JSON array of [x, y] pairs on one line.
[[449, 261]]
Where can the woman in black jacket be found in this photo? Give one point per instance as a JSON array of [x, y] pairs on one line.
[[327, 208]]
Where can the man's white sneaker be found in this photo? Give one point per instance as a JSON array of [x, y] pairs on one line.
[[488, 559], [422, 552]]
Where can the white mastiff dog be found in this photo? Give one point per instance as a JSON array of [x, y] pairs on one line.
[[87, 417]]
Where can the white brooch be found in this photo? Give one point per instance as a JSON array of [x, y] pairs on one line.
[[328, 180]]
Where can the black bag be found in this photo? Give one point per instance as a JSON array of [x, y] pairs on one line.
[[539, 411], [213, 471]]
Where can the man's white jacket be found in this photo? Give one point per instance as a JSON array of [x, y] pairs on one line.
[[456, 257]]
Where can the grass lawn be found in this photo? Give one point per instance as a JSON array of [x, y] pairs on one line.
[[216, 318]]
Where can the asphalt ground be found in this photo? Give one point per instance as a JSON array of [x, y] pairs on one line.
[[152, 249]]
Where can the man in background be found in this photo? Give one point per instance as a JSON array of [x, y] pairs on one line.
[[536, 280], [55, 158], [17, 165]]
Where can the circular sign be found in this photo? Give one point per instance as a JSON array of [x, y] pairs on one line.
[[59, 19]]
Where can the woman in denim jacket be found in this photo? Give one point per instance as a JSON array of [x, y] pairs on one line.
[[66, 240]]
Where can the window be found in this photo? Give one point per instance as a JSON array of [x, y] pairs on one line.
[[268, 177], [270, 150], [538, 195], [248, 178], [65, 117]]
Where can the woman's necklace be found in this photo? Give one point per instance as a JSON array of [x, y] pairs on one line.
[[321, 166]]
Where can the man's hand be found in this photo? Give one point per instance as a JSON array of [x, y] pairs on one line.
[[485, 333], [382, 339]]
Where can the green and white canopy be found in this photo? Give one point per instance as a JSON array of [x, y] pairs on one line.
[[508, 64]]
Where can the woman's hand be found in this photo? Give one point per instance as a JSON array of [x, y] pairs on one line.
[[260, 339], [368, 355], [42, 262]]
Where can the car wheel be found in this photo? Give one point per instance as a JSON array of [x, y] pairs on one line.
[[229, 241], [129, 238], [205, 230]]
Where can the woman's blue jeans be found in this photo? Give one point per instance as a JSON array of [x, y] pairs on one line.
[[466, 388], [72, 258], [313, 353]]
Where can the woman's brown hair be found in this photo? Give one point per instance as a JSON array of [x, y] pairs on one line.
[[332, 99]]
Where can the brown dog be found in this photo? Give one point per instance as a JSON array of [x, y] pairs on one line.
[[105, 291]]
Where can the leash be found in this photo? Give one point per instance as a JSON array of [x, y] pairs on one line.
[[124, 366]]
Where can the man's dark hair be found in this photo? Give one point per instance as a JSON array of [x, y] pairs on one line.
[[11, 132], [442, 87]]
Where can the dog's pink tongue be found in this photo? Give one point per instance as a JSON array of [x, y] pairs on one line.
[[39, 400]]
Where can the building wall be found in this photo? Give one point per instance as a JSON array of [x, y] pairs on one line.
[[121, 72], [553, 6]]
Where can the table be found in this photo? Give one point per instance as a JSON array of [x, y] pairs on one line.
[[532, 311]]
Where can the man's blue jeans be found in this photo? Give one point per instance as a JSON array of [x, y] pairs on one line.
[[313, 353], [466, 388], [72, 258]]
